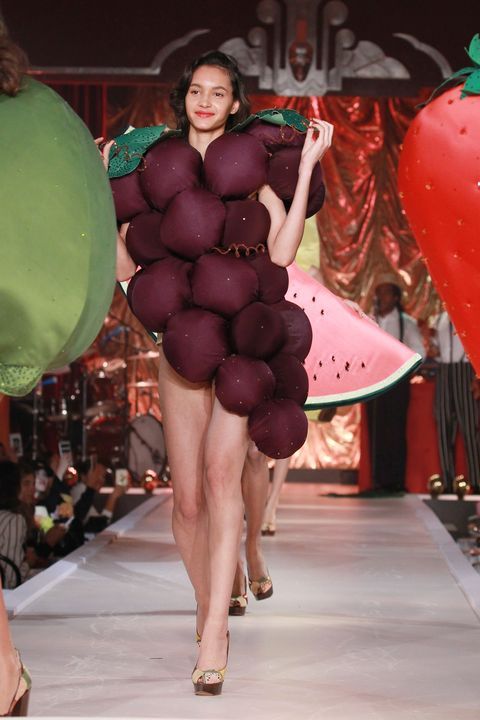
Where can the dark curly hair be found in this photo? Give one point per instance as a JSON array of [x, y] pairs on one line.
[[9, 486], [216, 59], [13, 64]]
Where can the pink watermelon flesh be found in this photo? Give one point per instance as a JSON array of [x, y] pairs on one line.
[[351, 358]]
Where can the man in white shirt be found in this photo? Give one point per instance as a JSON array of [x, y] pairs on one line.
[[387, 414], [456, 404]]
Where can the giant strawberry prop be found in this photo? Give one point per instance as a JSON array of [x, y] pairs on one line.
[[439, 181]]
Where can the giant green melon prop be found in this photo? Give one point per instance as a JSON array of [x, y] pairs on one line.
[[57, 232]]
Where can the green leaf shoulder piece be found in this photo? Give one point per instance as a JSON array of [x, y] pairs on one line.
[[277, 117], [126, 155]]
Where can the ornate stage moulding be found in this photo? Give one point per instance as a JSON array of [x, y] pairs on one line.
[[309, 55]]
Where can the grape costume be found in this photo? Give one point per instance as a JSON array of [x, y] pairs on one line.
[[206, 280]]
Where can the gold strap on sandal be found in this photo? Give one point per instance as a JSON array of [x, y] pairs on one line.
[[208, 677], [261, 588]]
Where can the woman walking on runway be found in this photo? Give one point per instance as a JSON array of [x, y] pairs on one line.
[[206, 442]]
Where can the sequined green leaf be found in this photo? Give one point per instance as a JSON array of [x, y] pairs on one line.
[[473, 51], [277, 117], [126, 155], [129, 148], [472, 84]]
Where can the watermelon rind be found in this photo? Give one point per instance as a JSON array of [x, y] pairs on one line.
[[366, 393]]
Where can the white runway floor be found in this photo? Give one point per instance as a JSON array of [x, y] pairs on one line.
[[367, 622]]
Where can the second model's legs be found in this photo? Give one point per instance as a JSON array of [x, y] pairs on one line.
[[280, 473], [255, 490]]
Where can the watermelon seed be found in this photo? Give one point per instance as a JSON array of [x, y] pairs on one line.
[[320, 363], [322, 312], [338, 376], [363, 364], [314, 377], [313, 299], [294, 294], [333, 358]]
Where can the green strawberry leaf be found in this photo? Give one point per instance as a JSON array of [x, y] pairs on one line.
[[455, 79], [473, 51], [472, 84]]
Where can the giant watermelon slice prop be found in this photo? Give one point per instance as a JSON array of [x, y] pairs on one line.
[[351, 358], [439, 182]]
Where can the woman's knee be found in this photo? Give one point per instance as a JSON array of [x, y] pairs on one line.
[[188, 508], [255, 459], [219, 476]]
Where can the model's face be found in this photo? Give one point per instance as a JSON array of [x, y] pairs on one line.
[[386, 298], [209, 100], [27, 490]]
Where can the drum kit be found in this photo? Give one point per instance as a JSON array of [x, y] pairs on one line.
[[101, 407]]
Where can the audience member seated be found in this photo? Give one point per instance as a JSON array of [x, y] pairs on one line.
[[43, 517], [85, 491], [42, 533], [13, 526], [68, 504]]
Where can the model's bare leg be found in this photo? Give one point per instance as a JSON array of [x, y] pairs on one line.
[[186, 411], [255, 490], [9, 664], [280, 472], [225, 452]]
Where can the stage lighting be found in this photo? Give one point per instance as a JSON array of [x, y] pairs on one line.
[[435, 486], [149, 481], [461, 486]]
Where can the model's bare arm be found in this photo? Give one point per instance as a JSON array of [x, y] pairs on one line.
[[286, 229]]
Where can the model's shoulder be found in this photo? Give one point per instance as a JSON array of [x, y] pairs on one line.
[[130, 147]]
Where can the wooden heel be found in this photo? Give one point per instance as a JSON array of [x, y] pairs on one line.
[[20, 709]]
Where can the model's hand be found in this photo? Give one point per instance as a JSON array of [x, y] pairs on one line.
[[317, 142], [104, 150]]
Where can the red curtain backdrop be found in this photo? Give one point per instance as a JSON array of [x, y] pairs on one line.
[[362, 227]]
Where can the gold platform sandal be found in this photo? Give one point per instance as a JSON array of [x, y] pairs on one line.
[[238, 603], [209, 682], [268, 529], [262, 588]]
